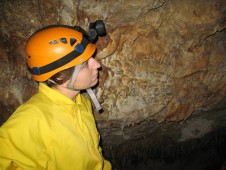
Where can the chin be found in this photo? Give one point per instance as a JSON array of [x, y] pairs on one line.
[[94, 83]]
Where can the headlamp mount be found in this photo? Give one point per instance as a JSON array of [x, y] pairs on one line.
[[96, 29]]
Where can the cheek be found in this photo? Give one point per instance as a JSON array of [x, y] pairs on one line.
[[84, 77]]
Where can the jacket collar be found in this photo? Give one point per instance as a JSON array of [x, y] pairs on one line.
[[57, 97]]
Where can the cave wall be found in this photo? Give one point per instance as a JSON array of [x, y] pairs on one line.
[[162, 61]]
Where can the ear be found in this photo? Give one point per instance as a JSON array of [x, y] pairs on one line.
[[65, 84]]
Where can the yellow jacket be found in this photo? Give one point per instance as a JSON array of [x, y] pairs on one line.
[[51, 132]]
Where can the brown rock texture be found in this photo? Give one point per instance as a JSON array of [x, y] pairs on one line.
[[162, 61]]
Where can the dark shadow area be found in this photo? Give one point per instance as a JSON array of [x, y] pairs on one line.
[[206, 153]]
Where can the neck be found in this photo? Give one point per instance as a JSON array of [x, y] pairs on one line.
[[67, 92]]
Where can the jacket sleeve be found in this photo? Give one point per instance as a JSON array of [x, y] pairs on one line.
[[21, 144], [7, 154]]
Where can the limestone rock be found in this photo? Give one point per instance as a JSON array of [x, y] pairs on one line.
[[161, 60]]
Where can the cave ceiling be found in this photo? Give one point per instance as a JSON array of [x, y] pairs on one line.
[[163, 63]]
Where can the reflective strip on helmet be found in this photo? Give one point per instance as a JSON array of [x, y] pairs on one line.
[[79, 49]]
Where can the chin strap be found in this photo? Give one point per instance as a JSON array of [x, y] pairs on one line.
[[73, 77], [94, 99], [89, 90]]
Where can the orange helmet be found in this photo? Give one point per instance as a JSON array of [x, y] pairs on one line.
[[55, 48]]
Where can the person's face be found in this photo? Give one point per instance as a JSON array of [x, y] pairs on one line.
[[88, 75]]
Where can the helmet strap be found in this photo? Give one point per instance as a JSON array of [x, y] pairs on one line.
[[50, 80], [73, 77], [94, 99], [89, 90]]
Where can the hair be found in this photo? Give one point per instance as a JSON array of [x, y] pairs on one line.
[[60, 77]]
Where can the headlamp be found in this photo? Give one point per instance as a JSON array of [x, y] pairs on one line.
[[96, 29]]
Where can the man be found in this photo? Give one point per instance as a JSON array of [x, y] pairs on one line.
[[55, 129]]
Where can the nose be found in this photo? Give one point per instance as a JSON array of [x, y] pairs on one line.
[[94, 63]]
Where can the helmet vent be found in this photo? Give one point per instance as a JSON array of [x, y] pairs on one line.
[[53, 42], [72, 41], [63, 40]]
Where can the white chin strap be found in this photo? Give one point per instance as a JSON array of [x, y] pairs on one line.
[[89, 90], [94, 99]]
